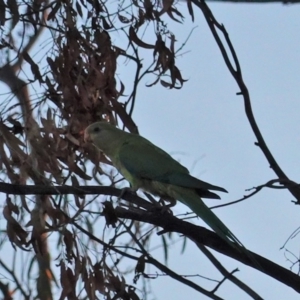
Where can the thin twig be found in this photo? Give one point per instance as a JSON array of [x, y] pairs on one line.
[[237, 75], [228, 275], [16, 280], [168, 271], [269, 184]]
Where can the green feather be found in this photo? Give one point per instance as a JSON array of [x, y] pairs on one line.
[[148, 167]]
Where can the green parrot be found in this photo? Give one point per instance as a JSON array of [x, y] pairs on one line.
[[150, 168]]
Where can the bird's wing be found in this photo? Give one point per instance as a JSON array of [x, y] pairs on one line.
[[146, 161]]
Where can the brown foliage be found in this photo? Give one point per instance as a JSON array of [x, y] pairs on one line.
[[76, 76]]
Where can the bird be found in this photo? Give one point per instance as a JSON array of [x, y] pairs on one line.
[[151, 169]]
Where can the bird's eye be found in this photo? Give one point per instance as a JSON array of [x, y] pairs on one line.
[[97, 129]]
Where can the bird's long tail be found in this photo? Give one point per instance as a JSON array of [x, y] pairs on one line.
[[194, 202]]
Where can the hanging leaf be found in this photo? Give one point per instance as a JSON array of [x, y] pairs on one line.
[[136, 40]]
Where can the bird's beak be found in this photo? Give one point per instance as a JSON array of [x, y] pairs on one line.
[[87, 137]]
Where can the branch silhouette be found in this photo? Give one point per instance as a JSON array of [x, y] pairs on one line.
[[168, 222], [236, 72]]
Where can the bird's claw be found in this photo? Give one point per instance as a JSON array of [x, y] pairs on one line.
[[162, 207]]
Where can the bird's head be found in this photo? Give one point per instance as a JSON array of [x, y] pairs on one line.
[[101, 134]]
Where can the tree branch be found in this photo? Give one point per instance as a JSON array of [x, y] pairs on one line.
[[150, 259], [237, 75], [208, 238], [166, 221]]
